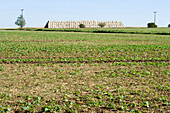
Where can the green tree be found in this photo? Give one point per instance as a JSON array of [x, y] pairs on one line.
[[82, 26], [152, 25], [169, 25], [20, 21], [101, 24]]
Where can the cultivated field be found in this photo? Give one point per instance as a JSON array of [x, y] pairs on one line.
[[44, 71]]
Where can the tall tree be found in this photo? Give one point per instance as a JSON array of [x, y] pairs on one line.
[[20, 20]]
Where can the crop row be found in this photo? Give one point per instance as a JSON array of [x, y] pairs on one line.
[[88, 52], [73, 60]]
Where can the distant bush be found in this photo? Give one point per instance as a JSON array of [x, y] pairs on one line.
[[101, 24], [152, 25], [82, 26], [169, 25]]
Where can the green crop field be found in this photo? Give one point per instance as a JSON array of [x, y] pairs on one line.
[[85, 70]]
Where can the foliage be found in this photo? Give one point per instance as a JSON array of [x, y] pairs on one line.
[[169, 25], [152, 25], [102, 25], [20, 21], [82, 26]]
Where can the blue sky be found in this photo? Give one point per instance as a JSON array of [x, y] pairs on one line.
[[133, 13]]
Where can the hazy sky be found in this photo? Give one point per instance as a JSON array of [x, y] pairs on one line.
[[131, 12]]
